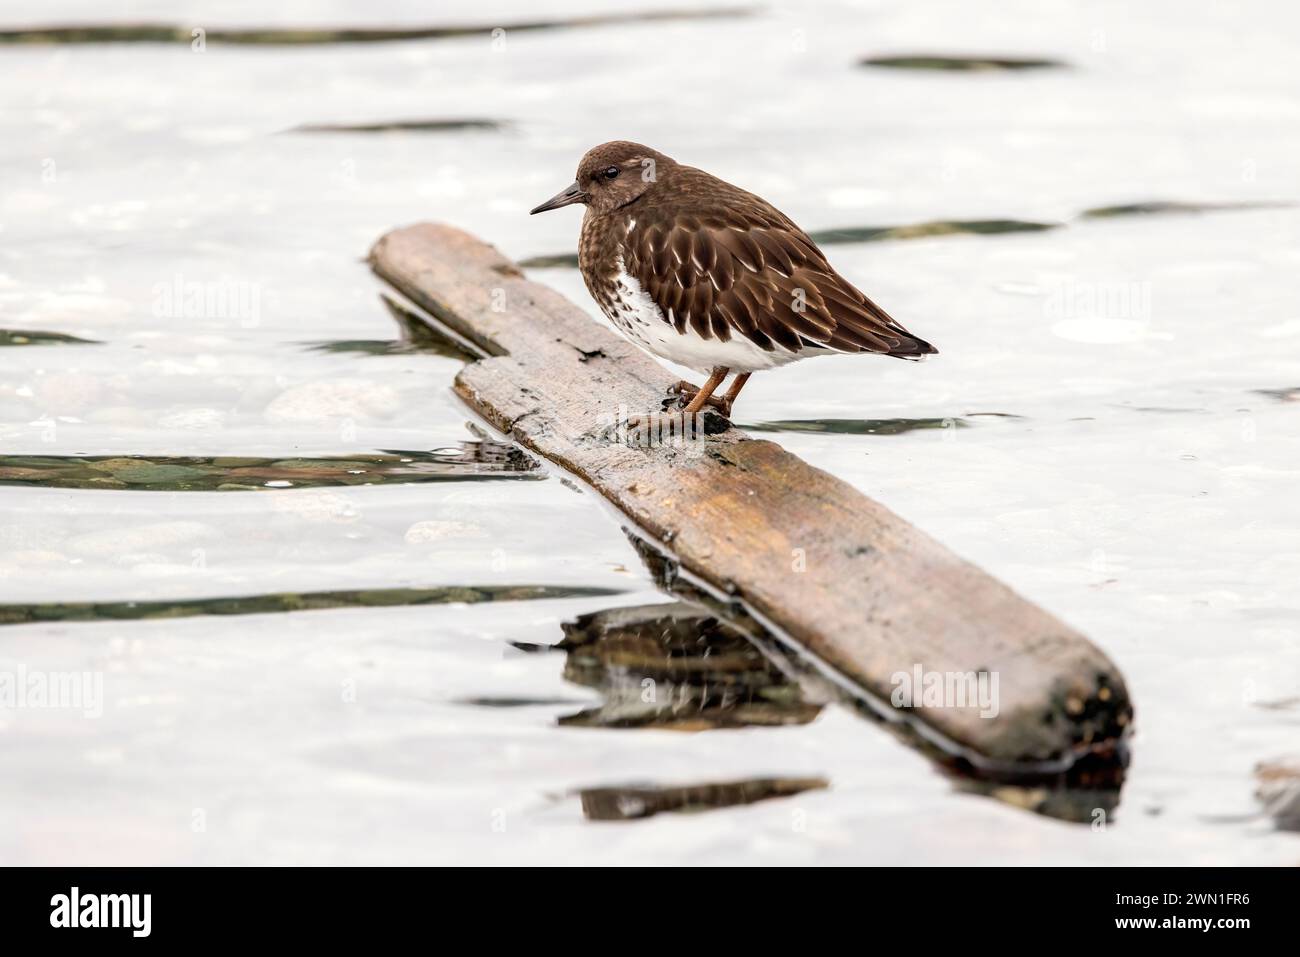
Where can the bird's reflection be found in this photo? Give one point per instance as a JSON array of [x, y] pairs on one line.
[[685, 666], [675, 666]]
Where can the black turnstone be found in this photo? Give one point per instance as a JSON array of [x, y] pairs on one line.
[[709, 276]]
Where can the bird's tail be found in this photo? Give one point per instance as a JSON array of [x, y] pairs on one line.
[[912, 347]]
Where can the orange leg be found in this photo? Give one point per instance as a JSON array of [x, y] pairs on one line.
[[737, 384], [706, 391], [720, 402]]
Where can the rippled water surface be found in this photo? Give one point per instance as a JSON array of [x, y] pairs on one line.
[[338, 622]]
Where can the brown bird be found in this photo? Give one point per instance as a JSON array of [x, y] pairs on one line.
[[709, 276]]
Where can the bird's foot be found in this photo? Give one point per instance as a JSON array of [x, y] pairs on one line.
[[682, 392], [668, 426]]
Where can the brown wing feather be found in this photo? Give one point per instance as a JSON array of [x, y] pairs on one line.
[[752, 273]]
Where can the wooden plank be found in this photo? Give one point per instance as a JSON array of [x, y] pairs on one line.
[[827, 569]]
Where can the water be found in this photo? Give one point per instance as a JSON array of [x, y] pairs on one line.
[[1110, 428]]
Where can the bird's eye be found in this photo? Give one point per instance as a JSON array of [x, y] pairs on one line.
[[610, 173]]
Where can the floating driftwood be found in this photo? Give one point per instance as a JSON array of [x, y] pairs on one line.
[[417, 336], [866, 598], [846, 235]]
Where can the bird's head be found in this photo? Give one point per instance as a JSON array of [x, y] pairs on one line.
[[611, 176]]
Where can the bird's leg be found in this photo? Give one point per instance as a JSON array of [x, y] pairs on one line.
[[737, 384], [683, 422], [705, 392], [720, 402], [680, 392]]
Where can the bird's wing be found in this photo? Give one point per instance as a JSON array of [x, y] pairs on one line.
[[760, 277]]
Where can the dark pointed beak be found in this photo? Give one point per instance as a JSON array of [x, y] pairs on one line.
[[563, 198]]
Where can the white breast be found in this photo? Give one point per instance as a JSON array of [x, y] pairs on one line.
[[639, 318]]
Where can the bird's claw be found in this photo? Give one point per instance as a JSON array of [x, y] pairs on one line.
[[682, 392]]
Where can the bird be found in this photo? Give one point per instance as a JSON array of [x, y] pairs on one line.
[[710, 276]]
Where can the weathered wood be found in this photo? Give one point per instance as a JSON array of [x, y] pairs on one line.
[[831, 571]]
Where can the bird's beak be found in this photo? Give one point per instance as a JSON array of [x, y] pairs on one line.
[[564, 197]]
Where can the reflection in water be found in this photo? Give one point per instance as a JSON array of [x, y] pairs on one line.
[[975, 64], [379, 347], [1086, 794], [27, 337], [183, 34], [857, 426], [18, 614], [1278, 789], [929, 229], [402, 126], [618, 650], [846, 235], [419, 335], [629, 803], [488, 701], [681, 667], [1283, 395], [482, 459], [678, 667], [1164, 206]]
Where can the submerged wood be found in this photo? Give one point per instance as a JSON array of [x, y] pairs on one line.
[[184, 33], [402, 126], [477, 461], [21, 614], [36, 337], [1160, 207], [974, 64], [861, 592], [634, 802]]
